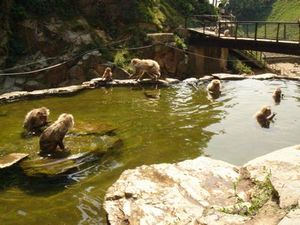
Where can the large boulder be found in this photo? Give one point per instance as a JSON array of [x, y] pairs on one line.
[[283, 168], [190, 192]]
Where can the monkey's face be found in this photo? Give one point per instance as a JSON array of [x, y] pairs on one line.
[[266, 111], [216, 84], [135, 61]]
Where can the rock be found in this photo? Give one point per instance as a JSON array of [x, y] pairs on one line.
[[191, 81], [20, 80], [265, 76], [90, 148], [84, 128], [11, 159], [161, 37], [189, 192], [292, 218], [32, 85], [283, 168], [226, 76], [9, 82], [77, 73]]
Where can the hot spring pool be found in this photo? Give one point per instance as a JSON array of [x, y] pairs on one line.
[[182, 124]]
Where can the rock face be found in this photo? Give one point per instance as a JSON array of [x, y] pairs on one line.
[[207, 191], [284, 169], [189, 192]]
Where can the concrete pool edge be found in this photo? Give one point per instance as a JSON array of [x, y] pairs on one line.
[[74, 89], [205, 191]]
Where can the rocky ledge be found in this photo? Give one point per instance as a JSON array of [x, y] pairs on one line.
[[265, 190]]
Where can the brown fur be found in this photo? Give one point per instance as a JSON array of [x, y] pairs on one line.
[[143, 66], [107, 75], [214, 86], [264, 116], [277, 95], [53, 136], [36, 119]]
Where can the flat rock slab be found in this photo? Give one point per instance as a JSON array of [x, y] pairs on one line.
[[85, 128], [226, 76], [50, 167], [18, 95], [283, 167], [11, 159], [265, 76], [190, 192]]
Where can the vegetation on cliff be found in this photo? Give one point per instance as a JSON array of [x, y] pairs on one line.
[[32, 24]]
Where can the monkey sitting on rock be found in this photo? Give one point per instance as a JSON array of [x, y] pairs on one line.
[[53, 136], [36, 119], [107, 75]]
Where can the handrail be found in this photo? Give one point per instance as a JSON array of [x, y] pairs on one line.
[[280, 30]]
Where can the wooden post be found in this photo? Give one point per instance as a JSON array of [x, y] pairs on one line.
[[247, 29], [265, 31], [277, 35], [255, 34], [236, 29], [284, 31], [219, 29]]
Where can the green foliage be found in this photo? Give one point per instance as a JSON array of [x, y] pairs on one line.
[[263, 192], [122, 60], [180, 42], [241, 68]]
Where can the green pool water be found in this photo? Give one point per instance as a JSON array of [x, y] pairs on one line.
[[182, 124]]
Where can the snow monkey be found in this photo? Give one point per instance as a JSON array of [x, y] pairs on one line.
[[277, 95], [264, 116], [107, 75], [36, 119], [214, 86], [53, 136], [148, 66]]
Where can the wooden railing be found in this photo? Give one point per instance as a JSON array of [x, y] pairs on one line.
[[273, 31]]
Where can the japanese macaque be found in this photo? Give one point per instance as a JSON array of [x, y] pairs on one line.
[[107, 75], [143, 66], [264, 116], [277, 95], [227, 33], [53, 136], [214, 86], [36, 119]]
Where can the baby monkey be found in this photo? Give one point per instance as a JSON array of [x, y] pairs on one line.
[[264, 116], [107, 75]]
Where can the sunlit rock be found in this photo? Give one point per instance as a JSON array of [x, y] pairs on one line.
[[283, 167], [11, 159]]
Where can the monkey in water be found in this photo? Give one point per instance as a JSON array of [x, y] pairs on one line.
[[107, 75], [36, 119], [53, 136], [143, 66], [277, 95], [264, 116], [214, 88]]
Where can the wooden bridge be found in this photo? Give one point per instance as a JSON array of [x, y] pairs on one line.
[[278, 37]]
